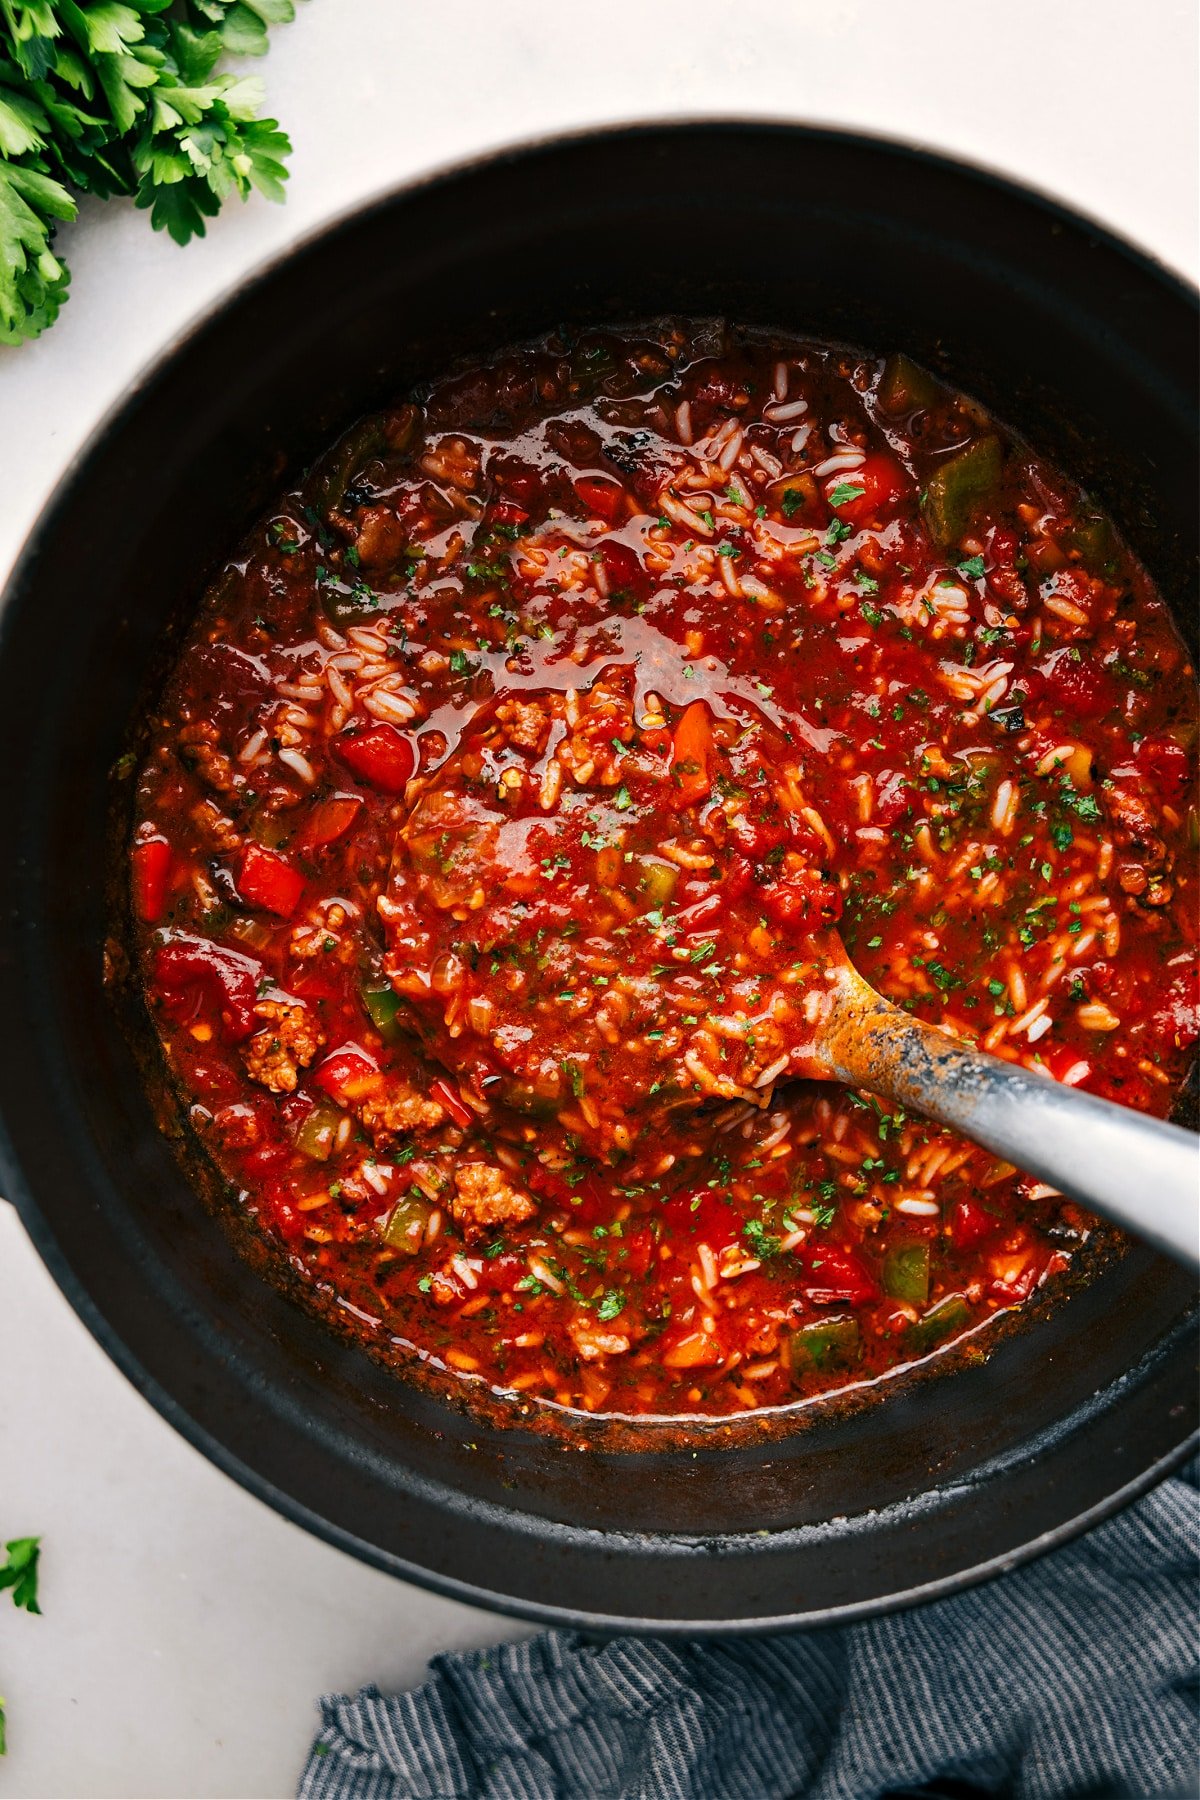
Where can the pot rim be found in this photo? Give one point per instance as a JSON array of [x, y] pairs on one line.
[[917, 150], [37, 1225]]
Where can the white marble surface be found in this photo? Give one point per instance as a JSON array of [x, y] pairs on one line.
[[186, 1629]]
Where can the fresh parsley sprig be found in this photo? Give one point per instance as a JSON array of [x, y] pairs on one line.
[[111, 97], [19, 1571]]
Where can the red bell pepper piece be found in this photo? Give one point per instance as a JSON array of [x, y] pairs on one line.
[[691, 749], [970, 1223], [347, 1074], [228, 980], [602, 499], [832, 1275], [857, 495], [268, 881], [380, 755], [329, 821], [444, 1094], [151, 861]]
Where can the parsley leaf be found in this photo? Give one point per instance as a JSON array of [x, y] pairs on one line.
[[759, 1238], [19, 1572]]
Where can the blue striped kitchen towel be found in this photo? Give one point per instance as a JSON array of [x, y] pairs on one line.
[[1075, 1677]]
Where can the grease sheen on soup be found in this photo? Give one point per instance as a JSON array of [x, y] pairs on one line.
[[498, 791]]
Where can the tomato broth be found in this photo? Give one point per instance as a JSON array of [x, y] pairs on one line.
[[500, 796]]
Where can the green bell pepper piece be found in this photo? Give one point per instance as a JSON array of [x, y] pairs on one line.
[[383, 1005], [822, 1343], [345, 605], [905, 387], [1096, 543], [656, 881], [958, 488], [951, 1315], [355, 447], [524, 1097], [906, 1273], [318, 1132], [404, 1227]]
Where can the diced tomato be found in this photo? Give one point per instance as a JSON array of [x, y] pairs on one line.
[[715, 387], [501, 1272], [347, 1073], [893, 796], [699, 916], [225, 978], [517, 480], [1003, 543], [624, 571], [691, 748], [1176, 1016], [803, 902], [600, 497], [381, 755], [267, 880], [702, 1214], [1066, 1060], [757, 832], [151, 860], [287, 1218], [1014, 1277], [636, 1254], [503, 512], [832, 1274], [877, 484], [1167, 764], [444, 1094], [1080, 686], [329, 821], [970, 1223]]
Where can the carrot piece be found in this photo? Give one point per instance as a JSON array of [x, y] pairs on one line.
[[691, 749]]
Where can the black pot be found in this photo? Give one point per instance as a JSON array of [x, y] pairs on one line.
[[1077, 341]]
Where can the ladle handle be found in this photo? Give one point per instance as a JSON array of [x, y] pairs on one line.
[[1140, 1172]]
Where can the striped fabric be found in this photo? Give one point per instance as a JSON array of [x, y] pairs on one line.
[[1073, 1677]]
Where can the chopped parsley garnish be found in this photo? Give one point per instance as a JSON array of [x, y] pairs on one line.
[[759, 1238]]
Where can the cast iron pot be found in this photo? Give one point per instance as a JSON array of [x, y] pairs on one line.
[[1076, 340]]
